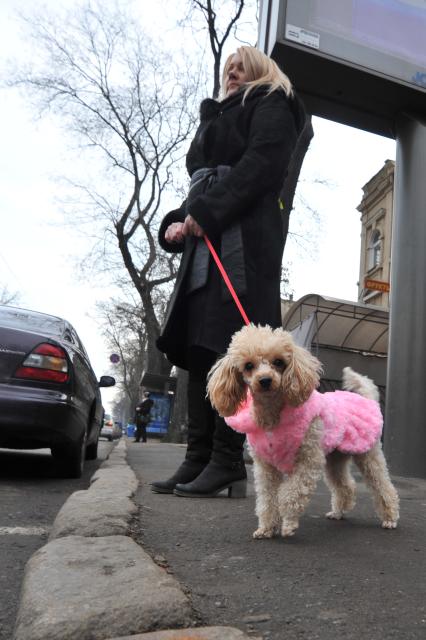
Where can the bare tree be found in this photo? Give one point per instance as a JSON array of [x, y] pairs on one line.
[[9, 297], [130, 107], [125, 334], [178, 420], [219, 28]]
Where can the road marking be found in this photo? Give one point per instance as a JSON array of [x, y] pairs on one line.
[[23, 531]]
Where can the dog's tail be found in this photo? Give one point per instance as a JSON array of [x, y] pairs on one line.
[[353, 381]]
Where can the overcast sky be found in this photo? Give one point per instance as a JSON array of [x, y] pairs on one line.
[[37, 253]]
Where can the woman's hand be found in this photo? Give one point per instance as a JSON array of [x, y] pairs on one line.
[[174, 232], [192, 228]]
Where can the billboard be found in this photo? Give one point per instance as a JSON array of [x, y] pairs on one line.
[[359, 62]]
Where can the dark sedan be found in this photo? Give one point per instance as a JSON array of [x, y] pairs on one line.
[[49, 394]]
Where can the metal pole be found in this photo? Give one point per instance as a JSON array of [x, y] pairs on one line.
[[405, 424]]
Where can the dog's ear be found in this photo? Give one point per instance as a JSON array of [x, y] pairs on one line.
[[225, 388], [301, 376]]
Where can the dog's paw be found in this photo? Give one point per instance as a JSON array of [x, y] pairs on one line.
[[334, 515], [288, 529], [389, 524], [263, 532]]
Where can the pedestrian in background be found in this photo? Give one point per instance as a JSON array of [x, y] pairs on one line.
[[237, 162], [142, 417]]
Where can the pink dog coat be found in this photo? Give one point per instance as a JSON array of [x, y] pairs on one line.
[[352, 424]]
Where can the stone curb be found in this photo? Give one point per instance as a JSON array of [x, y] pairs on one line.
[[105, 509], [88, 583], [79, 588], [91, 581]]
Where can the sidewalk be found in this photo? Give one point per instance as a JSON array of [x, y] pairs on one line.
[[122, 561], [347, 579]]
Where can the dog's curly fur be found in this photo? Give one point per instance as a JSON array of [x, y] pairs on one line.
[[276, 372]]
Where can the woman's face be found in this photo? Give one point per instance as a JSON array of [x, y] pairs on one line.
[[236, 75]]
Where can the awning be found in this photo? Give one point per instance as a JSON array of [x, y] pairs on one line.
[[340, 324], [158, 382]]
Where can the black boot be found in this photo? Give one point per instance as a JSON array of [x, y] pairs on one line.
[[226, 469], [216, 478], [201, 424], [201, 417], [188, 471]]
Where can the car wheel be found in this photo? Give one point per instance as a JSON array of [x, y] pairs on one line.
[[92, 450], [71, 458]]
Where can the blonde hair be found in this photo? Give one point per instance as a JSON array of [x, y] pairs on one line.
[[260, 70]]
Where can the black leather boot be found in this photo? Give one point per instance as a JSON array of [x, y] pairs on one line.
[[188, 471], [214, 479], [201, 424]]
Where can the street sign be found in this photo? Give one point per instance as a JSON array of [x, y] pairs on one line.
[[114, 358], [377, 285]]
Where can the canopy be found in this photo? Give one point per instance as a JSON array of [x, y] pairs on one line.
[[339, 324]]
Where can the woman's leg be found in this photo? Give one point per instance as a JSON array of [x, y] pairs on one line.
[[201, 423], [200, 414], [226, 469]]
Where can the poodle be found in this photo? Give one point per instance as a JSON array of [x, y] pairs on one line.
[[265, 386]]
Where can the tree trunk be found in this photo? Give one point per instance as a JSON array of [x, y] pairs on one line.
[[156, 361], [290, 183], [178, 421]]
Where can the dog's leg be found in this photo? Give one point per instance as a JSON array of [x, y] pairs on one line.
[[295, 493], [267, 479], [339, 480], [375, 472]]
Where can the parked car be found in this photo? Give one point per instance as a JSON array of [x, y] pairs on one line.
[[110, 428], [49, 394]]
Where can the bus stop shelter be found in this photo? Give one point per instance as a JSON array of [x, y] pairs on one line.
[[341, 334]]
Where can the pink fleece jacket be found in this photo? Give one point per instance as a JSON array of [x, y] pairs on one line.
[[352, 424]]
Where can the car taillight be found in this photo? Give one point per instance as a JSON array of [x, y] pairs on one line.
[[46, 362]]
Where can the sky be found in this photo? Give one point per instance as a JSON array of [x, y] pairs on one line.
[[38, 254]]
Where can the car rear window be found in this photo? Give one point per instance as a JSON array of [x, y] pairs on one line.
[[14, 318]]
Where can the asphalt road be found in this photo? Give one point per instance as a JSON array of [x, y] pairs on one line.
[[30, 497], [333, 580]]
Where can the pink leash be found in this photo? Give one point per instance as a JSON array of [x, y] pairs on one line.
[[226, 279]]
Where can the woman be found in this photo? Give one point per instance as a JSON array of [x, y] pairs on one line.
[[237, 163]]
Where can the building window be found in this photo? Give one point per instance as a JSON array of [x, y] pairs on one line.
[[374, 250]]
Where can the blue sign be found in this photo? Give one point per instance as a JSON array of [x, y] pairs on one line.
[[160, 414]]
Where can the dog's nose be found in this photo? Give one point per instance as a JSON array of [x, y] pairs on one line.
[[265, 383]]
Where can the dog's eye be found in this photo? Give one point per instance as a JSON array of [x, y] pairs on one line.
[[279, 363], [248, 366]]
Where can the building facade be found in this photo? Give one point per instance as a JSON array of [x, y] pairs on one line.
[[376, 209]]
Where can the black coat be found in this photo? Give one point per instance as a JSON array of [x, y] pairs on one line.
[[143, 411], [240, 214]]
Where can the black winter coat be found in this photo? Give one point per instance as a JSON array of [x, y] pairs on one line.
[[240, 214], [142, 411]]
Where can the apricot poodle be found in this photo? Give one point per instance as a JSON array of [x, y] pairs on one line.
[[265, 386]]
